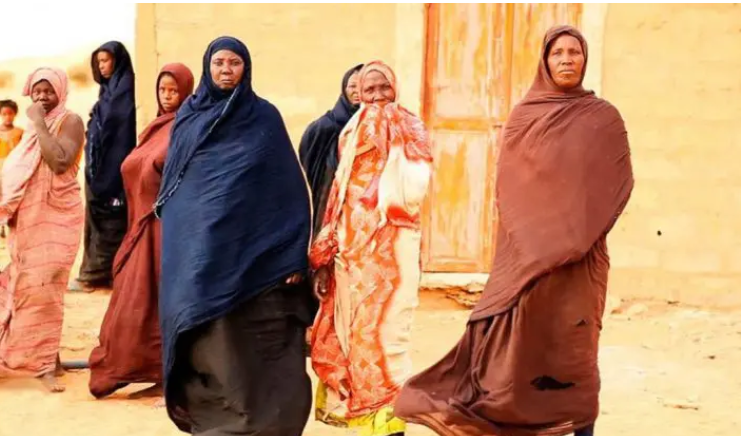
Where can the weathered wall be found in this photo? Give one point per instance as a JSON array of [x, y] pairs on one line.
[[673, 71], [593, 17], [299, 53]]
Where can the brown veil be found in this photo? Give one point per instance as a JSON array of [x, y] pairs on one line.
[[564, 176], [527, 363]]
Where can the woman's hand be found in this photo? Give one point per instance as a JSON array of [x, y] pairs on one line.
[[294, 279], [36, 113], [321, 284]]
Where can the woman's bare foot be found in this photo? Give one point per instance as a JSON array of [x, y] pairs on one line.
[[50, 382], [152, 391]]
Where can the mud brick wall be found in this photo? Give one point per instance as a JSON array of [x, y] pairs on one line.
[[299, 52], [674, 71]]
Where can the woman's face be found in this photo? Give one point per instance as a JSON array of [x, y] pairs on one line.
[[43, 93], [566, 62], [351, 90], [227, 69], [168, 94], [377, 89], [106, 64]]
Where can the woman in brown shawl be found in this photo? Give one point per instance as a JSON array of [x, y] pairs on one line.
[[130, 344], [527, 364]]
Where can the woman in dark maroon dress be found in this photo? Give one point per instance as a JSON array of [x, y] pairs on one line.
[[130, 345]]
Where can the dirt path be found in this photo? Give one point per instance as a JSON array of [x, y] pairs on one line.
[[666, 371]]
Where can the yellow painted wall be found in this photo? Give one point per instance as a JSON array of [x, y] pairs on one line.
[[674, 73], [299, 52]]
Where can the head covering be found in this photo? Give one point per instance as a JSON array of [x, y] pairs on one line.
[[384, 69], [391, 124], [111, 133], [564, 177], [184, 79], [318, 148], [142, 173], [58, 80], [123, 69], [24, 159], [391, 129], [343, 115], [233, 184], [544, 83], [568, 150], [210, 105]]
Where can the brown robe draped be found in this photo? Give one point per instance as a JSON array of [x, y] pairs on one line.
[[527, 364], [130, 349]]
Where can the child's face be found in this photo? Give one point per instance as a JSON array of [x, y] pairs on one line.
[[7, 116]]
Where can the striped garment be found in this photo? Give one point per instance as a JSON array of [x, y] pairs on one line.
[[44, 213]]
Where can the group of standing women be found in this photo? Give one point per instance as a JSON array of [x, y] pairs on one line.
[[213, 300], [42, 204]]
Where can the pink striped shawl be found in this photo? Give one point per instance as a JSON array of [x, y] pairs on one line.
[[44, 214]]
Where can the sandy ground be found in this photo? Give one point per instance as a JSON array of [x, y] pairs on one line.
[[667, 370]]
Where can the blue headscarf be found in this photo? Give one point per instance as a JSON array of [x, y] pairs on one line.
[[111, 132], [234, 204]]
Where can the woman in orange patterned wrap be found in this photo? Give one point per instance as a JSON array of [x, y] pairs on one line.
[[366, 261]]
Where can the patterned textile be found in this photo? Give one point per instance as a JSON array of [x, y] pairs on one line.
[[371, 242]]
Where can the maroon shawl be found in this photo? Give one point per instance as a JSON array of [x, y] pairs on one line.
[[130, 343], [527, 364]]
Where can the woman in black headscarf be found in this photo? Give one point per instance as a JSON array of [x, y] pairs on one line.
[[111, 136], [318, 149], [234, 307]]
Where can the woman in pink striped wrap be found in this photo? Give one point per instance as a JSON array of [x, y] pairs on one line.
[[41, 204]]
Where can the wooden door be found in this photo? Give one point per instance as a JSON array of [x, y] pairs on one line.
[[480, 60]]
